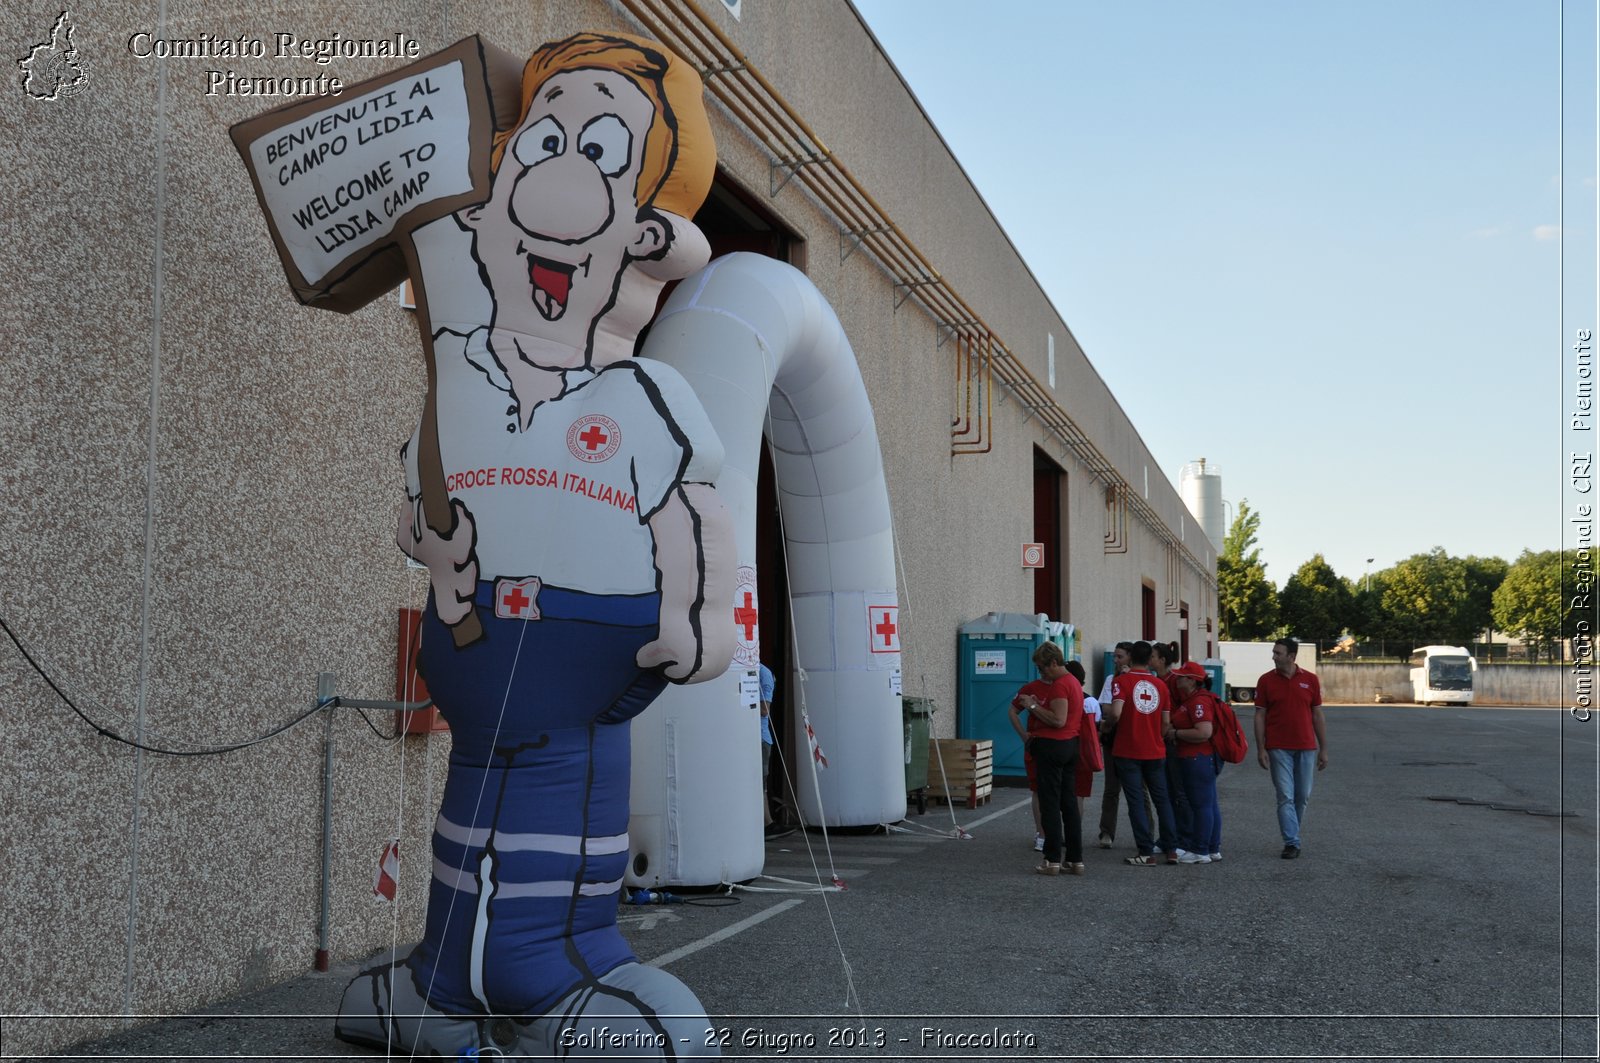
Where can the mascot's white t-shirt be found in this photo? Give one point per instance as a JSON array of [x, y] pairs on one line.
[[568, 498]]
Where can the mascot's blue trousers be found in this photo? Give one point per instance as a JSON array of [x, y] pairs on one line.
[[521, 951]]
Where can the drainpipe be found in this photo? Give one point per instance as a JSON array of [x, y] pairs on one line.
[[325, 685]]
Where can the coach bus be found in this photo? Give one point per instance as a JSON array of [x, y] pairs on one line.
[[1442, 675]]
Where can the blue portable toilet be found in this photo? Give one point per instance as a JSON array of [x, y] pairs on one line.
[[1213, 667], [994, 659]]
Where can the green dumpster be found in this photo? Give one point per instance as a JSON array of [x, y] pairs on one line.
[[918, 716]]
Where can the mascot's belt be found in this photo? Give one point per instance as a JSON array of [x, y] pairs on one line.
[[527, 598]]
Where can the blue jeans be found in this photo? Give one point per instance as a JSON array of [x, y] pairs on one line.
[[1199, 776], [1182, 814], [1292, 772], [1136, 776]]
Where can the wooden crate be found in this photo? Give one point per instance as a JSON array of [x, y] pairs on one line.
[[961, 770], [976, 797]]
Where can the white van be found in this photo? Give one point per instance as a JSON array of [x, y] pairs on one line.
[[1442, 675]]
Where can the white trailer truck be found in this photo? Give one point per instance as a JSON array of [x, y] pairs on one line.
[[1245, 662]]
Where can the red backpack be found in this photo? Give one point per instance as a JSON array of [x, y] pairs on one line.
[[1227, 737]]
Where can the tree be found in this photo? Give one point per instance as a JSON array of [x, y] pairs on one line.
[[1484, 576], [1426, 597], [1315, 603], [1247, 600], [1528, 603]]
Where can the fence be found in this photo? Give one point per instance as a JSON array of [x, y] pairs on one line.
[[1485, 652], [1363, 682]]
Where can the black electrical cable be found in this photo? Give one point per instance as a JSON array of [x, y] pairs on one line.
[[723, 900], [16, 641], [398, 734]]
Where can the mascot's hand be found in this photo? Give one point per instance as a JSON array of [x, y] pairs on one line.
[[451, 558], [677, 648]]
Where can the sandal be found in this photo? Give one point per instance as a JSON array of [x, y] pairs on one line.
[[1072, 869], [1142, 860], [1047, 868]]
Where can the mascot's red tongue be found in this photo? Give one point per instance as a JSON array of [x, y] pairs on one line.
[[557, 283]]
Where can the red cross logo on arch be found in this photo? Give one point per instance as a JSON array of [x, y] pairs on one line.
[[1146, 698], [593, 437], [883, 628], [747, 617]]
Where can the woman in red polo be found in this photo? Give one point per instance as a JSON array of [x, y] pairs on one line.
[[1054, 723], [1192, 723]]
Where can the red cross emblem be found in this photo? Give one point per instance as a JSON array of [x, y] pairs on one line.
[[517, 599], [883, 628], [593, 437], [1146, 698], [746, 617]]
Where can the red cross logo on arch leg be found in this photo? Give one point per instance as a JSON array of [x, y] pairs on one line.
[[746, 617], [883, 628]]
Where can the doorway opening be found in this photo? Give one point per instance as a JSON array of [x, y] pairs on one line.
[[1049, 527]]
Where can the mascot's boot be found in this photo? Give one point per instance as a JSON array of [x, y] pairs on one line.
[[633, 1013], [383, 1009]]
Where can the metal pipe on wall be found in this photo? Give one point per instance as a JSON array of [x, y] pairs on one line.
[[325, 682]]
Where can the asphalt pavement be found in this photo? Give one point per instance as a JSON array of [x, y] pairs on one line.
[[1444, 907]]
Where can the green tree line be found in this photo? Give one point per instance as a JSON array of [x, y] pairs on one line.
[[1426, 598]]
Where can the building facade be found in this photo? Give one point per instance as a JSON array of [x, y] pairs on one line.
[[207, 472]]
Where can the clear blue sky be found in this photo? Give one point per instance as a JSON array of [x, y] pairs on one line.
[[1315, 244]]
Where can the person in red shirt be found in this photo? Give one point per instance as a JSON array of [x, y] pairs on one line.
[[1291, 736], [1163, 659], [1032, 691], [1192, 723], [1112, 793], [1053, 725], [1140, 710]]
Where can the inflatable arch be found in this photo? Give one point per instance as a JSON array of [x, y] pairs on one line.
[[765, 352]]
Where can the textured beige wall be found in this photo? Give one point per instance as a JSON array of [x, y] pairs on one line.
[[157, 359]]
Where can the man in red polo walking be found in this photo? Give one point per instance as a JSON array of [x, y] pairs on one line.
[[1291, 736]]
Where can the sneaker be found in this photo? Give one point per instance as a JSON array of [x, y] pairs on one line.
[[1290, 852], [1142, 860], [1193, 858], [1216, 858], [1047, 868], [1105, 840], [1038, 843], [1072, 869]]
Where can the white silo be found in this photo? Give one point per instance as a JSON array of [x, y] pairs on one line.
[[1201, 488]]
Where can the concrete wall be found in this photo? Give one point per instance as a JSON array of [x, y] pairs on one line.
[[204, 473], [1494, 684]]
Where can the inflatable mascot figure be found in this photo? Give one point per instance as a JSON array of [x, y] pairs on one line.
[[586, 540]]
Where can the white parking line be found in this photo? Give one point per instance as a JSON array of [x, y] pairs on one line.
[[997, 814], [723, 934]]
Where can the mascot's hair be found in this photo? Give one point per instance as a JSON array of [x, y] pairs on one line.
[[680, 156]]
